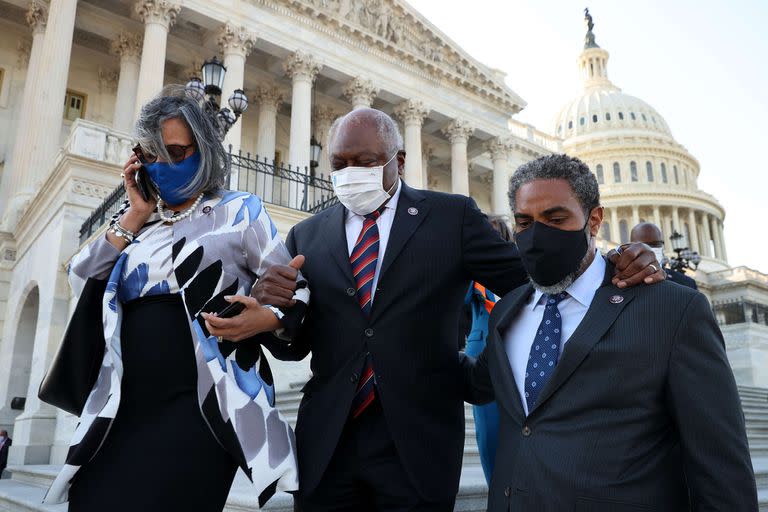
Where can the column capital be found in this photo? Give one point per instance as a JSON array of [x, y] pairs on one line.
[[360, 91], [37, 16], [271, 96], [458, 131], [411, 111], [162, 12], [498, 147], [237, 40], [127, 44], [326, 114], [301, 65]]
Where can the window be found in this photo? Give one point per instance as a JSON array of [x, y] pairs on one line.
[[74, 105], [605, 231], [644, 118], [621, 116], [599, 172], [594, 118], [570, 125], [653, 118], [632, 115], [624, 231], [607, 116], [581, 121], [649, 171], [632, 171], [663, 172], [616, 172], [560, 129], [677, 178]]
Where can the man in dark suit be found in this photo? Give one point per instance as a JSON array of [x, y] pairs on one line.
[[650, 235], [611, 400], [381, 423], [5, 444]]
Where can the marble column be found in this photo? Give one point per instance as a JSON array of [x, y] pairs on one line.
[[412, 113], [657, 218], [635, 217], [706, 245], [426, 154], [302, 68], [693, 243], [676, 226], [236, 43], [158, 17], [458, 132], [721, 239], [615, 232], [360, 92], [268, 99], [128, 47], [499, 149], [324, 118], [15, 183]]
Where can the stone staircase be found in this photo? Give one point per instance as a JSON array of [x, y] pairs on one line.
[[24, 491]]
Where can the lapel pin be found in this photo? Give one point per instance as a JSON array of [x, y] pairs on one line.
[[413, 211], [207, 210], [616, 299]]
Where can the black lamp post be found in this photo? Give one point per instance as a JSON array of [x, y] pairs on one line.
[[209, 88], [686, 258], [314, 152]]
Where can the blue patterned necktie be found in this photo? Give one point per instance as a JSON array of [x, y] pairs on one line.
[[545, 350]]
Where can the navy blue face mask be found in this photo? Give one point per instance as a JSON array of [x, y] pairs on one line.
[[171, 179]]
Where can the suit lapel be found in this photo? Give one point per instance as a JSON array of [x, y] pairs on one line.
[[337, 240], [509, 395], [601, 315], [405, 223]]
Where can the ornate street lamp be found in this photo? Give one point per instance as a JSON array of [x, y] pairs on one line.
[[314, 152], [686, 258], [207, 90]]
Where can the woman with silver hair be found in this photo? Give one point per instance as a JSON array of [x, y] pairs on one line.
[[175, 410]]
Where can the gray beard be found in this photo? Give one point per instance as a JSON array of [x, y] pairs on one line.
[[557, 287]]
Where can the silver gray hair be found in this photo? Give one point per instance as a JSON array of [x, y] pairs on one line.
[[174, 103], [387, 129]]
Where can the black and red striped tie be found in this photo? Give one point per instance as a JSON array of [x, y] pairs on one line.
[[363, 259]]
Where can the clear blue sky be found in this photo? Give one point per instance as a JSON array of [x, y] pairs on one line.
[[702, 65]]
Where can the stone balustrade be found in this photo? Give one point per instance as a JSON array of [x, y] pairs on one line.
[[98, 142]]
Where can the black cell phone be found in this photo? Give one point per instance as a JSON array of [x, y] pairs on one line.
[[233, 309], [146, 186]]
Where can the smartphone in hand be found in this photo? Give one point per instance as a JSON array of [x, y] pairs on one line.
[[147, 188]]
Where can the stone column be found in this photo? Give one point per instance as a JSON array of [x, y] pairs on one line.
[[458, 132], [302, 68], [426, 154], [615, 232], [269, 99], [706, 245], [657, 218], [499, 149], [158, 17], [676, 226], [635, 217], [721, 239], [15, 183], [324, 118], [235, 44], [128, 47], [360, 92], [693, 243], [412, 114]]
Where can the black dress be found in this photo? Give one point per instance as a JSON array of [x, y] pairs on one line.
[[159, 454]]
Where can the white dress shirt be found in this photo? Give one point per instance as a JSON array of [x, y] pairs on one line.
[[354, 224], [519, 337]]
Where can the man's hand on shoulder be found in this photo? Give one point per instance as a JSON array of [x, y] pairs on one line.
[[277, 285], [635, 264]]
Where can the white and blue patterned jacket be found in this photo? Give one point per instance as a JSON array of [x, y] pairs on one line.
[[219, 250]]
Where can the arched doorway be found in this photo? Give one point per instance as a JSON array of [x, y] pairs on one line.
[[21, 361]]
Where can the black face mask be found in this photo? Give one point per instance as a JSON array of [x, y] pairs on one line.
[[549, 254]]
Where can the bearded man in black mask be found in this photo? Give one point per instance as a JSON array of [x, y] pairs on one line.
[[610, 399]]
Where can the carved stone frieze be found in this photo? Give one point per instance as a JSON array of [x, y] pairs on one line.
[[233, 39], [90, 189]]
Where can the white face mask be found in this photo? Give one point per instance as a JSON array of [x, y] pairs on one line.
[[361, 189], [659, 253]]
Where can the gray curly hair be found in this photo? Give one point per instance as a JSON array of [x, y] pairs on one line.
[[559, 166], [174, 103]]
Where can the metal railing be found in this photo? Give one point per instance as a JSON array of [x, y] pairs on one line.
[[272, 183]]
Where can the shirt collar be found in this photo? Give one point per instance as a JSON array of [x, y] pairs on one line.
[[391, 204], [583, 289]]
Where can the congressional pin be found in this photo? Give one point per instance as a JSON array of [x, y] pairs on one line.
[[413, 211], [616, 299], [207, 210]]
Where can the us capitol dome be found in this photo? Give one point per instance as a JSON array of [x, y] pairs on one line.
[[644, 173]]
